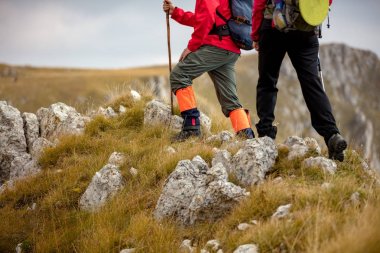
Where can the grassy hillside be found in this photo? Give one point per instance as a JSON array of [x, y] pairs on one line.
[[322, 220]]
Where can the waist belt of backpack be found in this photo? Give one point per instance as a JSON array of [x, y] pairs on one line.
[[221, 30]]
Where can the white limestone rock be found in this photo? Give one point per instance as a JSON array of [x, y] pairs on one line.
[[128, 250], [327, 165], [60, 119], [170, 150], [205, 122], [282, 211], [223, 157], [135, 95], [247, 248], [117, 159], [134, 172], [122, 109], [23, 166], [186, 247], [31, 128], [224, 136], [108, 112], [104, 185], [298, 147], [193, 193], [38, 146], [213, 245], [15, 162], [251, 163], [244, 226]]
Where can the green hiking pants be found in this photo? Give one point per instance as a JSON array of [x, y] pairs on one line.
[[220, 65]]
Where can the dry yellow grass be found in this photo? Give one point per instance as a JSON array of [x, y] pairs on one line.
[[321, 221]]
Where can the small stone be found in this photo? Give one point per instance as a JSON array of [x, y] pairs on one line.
[[247, 248], [122, 109], [117, 159], [186, 247], [244, 226], [132, 250], [170, 150], [213, 245], [282, 211], [326, 186], [254, 222], [133, 172], [277, 180], [135, 95], [33, 207], [355, 198], [19, 248]]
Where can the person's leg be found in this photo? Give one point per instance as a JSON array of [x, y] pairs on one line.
[[303, 52], [195, 64], [224, 80], [271, 54]]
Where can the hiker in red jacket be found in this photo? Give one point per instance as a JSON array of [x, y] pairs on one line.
[[207, 51], [302, 48]]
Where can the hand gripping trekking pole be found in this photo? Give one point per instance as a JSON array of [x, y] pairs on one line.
[[170, 58]]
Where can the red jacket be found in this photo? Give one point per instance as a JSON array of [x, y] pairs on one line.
[[203, 20], [258, 16]]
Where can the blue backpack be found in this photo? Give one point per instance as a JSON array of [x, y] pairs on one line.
[[239, 26]]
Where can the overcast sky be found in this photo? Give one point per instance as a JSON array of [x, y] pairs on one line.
[[125, 33]]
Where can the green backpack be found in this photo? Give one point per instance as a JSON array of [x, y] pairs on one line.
[[286, 16]]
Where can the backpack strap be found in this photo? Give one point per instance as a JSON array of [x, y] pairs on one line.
[[221, 16]]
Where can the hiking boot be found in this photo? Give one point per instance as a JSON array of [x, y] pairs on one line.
[[336, 146], [186, 134], [246, 134], [269, 131]]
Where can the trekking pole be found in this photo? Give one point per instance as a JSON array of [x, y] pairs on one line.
[[320, 73], [170, 58]]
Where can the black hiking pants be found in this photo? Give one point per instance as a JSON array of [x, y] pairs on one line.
[[302, 48]]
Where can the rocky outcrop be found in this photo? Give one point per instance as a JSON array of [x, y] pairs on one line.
[[104, 185], [193, 193], [60, 119], [158, 113], [254, 160], [15, 162]]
